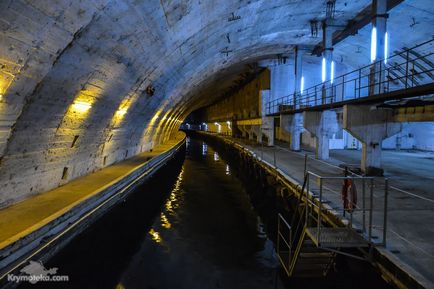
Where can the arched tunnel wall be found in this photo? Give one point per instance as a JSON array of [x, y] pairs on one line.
[[74, 75]]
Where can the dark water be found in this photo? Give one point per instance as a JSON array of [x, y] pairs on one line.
[[191, 226]]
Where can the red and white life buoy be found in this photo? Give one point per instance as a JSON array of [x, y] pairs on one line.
[[349, 195]]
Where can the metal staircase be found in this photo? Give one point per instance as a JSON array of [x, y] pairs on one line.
[[307, 246]]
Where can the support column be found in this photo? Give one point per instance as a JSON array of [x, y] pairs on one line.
[[244, 133], [322, 125], [255, 129], [250, 131], [298, 75], [326, 61], [293, 124], [371, 126], [379, 23], [267, 122]]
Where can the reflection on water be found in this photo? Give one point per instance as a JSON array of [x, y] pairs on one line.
[[155, 235], [216, 156], [164, 221], [192, 229], [204, 149], [207, 234]]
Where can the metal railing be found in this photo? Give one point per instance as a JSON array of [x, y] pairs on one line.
[[364, 218], [404, 70], [284, 243]]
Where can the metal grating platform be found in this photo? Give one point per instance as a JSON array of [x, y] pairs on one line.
[[336, 237]]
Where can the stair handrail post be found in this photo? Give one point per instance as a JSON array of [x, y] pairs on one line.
[[386, 194], [278, 236], [319, 210], [307, 200], [363, 205], [371, 206], [360, 81], [290, 247], [343, 88], [406, 68]]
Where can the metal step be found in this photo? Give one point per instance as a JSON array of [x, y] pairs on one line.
[[336, 237]]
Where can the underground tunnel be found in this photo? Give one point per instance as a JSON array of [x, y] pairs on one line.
[[216, 144]]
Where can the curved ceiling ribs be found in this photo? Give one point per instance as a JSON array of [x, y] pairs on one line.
[[82, 70]]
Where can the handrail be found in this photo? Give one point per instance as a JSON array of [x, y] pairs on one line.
[[372, 79], [366, 210]]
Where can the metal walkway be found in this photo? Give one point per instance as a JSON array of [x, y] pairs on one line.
[[408, 73]]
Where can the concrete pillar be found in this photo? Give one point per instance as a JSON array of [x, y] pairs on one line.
[[267, 126], [327, 59], [379, 22], [242, 128], [371, 126], [298, 71], [293, 124], [322, 124], [255, 130], [250, 131]]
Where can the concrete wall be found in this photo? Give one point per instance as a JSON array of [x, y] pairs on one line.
[[417, 135], [74, 75]]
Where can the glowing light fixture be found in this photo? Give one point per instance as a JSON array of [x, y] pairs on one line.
[[373, 44], [121, 112], [302, 85], [81, 106], [332, 72], [386, 47], [323, 70]]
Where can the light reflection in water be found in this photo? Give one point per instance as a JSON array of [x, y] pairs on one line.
[[155, 236], [216, 156], [164, 221], [171, 205], [228, 170], [204, 148], [172, 202]]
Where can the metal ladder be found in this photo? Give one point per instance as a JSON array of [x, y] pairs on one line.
[[298, 255]]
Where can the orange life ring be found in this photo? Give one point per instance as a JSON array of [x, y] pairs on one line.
[[349, 195]]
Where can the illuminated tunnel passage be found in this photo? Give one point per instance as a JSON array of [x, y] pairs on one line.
[[191, 226]]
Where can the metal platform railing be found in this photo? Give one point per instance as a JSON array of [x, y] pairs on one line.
[[406, 69], [364, 212], [310, 241]]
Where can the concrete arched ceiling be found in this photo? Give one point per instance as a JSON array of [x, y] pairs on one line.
[[74, 74]]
